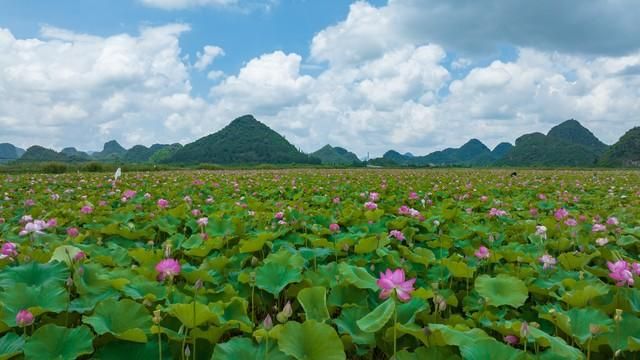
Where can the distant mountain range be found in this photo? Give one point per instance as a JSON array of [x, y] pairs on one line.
[[247, 141]]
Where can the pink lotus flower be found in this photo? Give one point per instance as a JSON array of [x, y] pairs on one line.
[[413, 195], [497, 212], [167, 268], [334, 227], [393, 281], [598, 228], [24, 318], [533, 212], [612, 221], [397, 234], [374, 196], [484, 198], [542, 196], [561, 214], [86, 209], [511, 340], [619, 271], [279, 215], [541, 231], [403, 210], [9, 249], [571, 222], [1, 220], [203, 221], [370, 205], [162, 203], [129, 194], [29, 202], [196, 212], [73, 232], [482, 253], [547, 261], [635, 268], [80, 256], [602, 241]]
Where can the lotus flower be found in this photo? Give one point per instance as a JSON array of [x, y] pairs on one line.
[[162, 203], [511, 340], [279, 215], [86, 209], [571, 222], [397, 234], [602, 241], [374, 196], [24, 318], [612, 221], [334, 227], [370, 205], [548, 261], [393, 281], [598, 228], [619, 271], [9, 249], [497, 212], [203, 221], [561, 214], [482, 253], [167, 268], [72, 232]]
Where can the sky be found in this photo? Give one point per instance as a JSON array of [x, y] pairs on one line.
[[409, 75]]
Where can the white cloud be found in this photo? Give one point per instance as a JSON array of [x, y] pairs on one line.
[[206, 57]]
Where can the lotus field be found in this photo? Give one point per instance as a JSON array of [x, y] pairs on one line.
[[320, 264]]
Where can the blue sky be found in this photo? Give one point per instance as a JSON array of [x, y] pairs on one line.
[[409, 75]]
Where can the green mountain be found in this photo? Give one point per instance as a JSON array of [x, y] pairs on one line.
[[244, 141], [392, 157], [501, 150], [74, 154], [473, 152], [142, 154], [111, 151], [335, 156], [38, 153], [573, 132], [9, 152], [625, 152]]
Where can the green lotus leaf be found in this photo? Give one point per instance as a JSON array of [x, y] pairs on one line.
[[347, 324], [377, 318], [34, 274], [192, 316], [576, 261], [235, 313], [11, 344], [458, 269], [578, 323], [314, 303], [310, 340], [434, 352], [56, 342], [446, 335], [274, 277], [65, 254], [502, 290], [371, 243], [408, 311], [256, 241], [558, 347], [491, 349], [243, 348], [287, 258], [583, 294], [357, 276], [125, 319], [118, 350], [38, 299]]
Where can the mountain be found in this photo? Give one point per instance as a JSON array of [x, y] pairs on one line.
[[501, 150], [625, 152], [39, 153], [245, 140], [539, 150], [573, 132], [112, 150], [393, 157], [335, 156], [408, 154], [9, 152], [143, 154], [74, 154]]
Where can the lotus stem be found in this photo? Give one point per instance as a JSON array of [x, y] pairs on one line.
[[159, 343], [395, 339]]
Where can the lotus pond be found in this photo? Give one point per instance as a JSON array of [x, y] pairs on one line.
[[321, 264]]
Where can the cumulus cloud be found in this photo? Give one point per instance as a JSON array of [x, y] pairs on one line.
[[69, 89], [183, 4], [206, 57]]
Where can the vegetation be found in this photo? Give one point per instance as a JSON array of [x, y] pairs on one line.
[[626, 152], [329, 155], [297, 264]]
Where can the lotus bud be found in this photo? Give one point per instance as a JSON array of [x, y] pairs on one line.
[[286, 310], [524, 330], [167, 250], [157, 317], [69, 282], [581, 275], [618, 316], [198, 285], [150, 242], [254, 261], [187, 352], [267, 323], [372, 268], [345, 247]]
